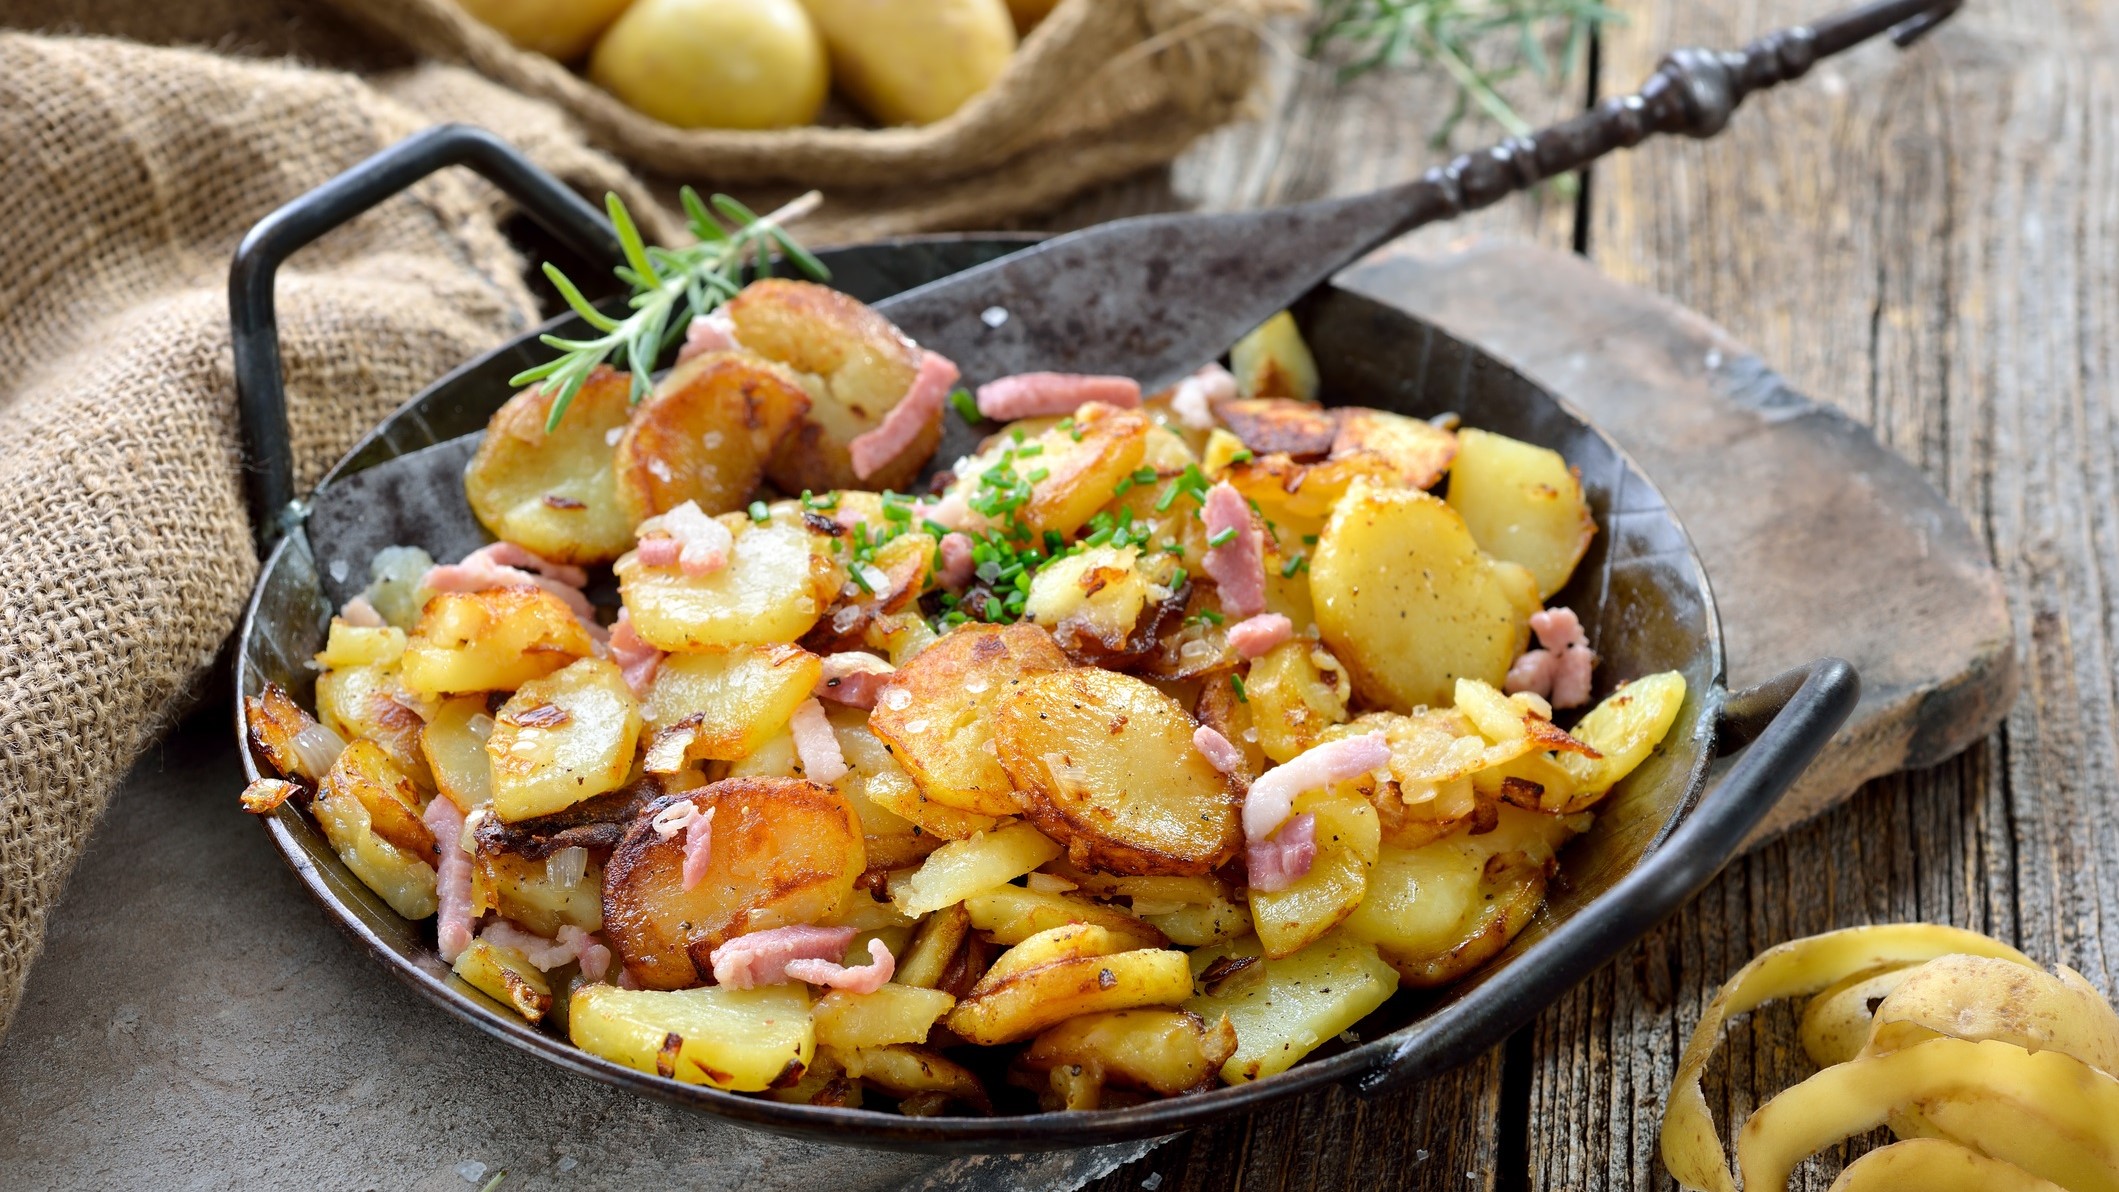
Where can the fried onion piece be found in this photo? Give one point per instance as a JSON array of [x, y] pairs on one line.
[[1692, 1149], [2048, 1113], [1935, 1165]]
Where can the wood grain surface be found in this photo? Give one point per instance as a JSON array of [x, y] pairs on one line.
[[1930, 242]]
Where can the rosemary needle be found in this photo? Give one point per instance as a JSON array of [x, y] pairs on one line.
[[700, 278]]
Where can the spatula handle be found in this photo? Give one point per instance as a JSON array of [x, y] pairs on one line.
[[1692, 93]]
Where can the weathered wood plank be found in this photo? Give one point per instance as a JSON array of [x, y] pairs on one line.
[[1928, 242]]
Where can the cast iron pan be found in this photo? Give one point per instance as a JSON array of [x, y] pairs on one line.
[[1659, 838]]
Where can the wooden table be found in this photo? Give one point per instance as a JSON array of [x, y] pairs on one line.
[[1929, 241]]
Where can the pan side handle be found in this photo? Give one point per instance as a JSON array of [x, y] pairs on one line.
[[261, 398], [1780, 726]]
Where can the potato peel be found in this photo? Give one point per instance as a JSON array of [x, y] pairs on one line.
[[1935, 1165]]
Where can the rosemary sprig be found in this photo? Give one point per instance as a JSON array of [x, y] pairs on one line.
[[700, 277], [1466, 39]]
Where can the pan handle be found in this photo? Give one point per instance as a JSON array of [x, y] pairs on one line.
[[261, 397], [1780, 726]]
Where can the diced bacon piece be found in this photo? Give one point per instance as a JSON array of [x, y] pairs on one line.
[[862, 978], [703, 543], [921, 406], [698, 829], [1237, 566], [636, 660], [541, 952], [1216, 748], [626, 980], [762, 957], [1039, 395], [361, 614], [1282, 859], [853, 678], [816, 744], [452, 878], [1272, 796], [1561, 667], [589, 949], [957, 564], [489, 567], [714, 332], [1196, 395], [1260, 634], [507, 554], [672, 820]]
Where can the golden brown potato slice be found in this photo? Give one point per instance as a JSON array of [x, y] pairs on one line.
[[784, 852], [1623, 730], [401, 877], [554, 491], [374, 702], [937, 714], [939, 937], [537, 892], [1222, 710], [1059, 974], [1012, 914], [1294, 498], [776, 584], [860, 368], [1104, 764], [1522, 503], [562, 739], [1279, 425], [705, 435], [1104, 605], [358, 645], [743, 1039], [454, 744], [491, 641], [891, 1015], [1417, 450], [1287, 921], [1273, 361], [963, 868], [1408, 601], [723, 705], [1284, 1009], [1072, 468], [924, 1081], [277, 725], [1163, 1051], [507, 976], [364, 772], [1296, 690]]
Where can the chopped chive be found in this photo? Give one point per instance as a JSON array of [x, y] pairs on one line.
[[934, 527], [1168, 498], [759, 513], [1293, 565], [1037, 475], [1242, 696], [1173, 547], [1211, 616], [967, 407], [1030, 450], [1309, 539], [1227, 535], [1178, 577], [1145, 475]]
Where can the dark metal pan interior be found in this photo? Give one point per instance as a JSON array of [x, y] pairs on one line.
[[1641, 591]]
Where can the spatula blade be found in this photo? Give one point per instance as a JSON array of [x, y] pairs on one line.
[[416, 499]]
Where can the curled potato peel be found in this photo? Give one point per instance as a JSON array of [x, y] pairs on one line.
[[1935, 1165]]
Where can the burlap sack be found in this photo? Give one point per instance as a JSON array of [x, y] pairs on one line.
[[125, 553], [1102, 89]]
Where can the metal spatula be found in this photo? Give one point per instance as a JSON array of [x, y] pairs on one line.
[[1150, 298]]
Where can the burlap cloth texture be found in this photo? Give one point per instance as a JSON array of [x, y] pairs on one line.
[[135, 168]]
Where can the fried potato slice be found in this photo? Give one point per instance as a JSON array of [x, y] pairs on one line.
[[724, 704], [1273, 361], [402, 877], [1103, 605], [366, 773], [1012, 914], [1408, 601], [277, 725], [1417, 451], [1296, 690], [374, 702], [1296, 499], [454, 746], [924, 1081], [1104, 764], [359, 645], [491, 641], [542, 894], [1522, 503], [962, 868], [1064, 972], [555, 492], [891, 1015], [1287, 921], [934, 944], [1162, 1051], [937, 713], [1623, 730], [1284, 1009], [746, 1040], [859, 367], [1280, 426], [775, 586], [507, 976], [784, 852], [562, 739], [1077, 466], [705, 435]]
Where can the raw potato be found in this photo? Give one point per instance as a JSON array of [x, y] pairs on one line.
[[507, 976], [1522, 503], [961, 869], [750, 64], [561, 29], [785, 852], [562, 739], [373, 702], [937, 714], [1059, 974], [1290, 920], [1296, 691], [1408, 601], [1284, 1009], [491, 641], [705, 435], [1163, 1051], [554, 492], [1104, 764], [775, 586], [857, 366], [725, 704], [915, 61], [1012, 914], [747, 1040], [1624, 730], [1273, 361], [400, 878], [891, 1015], [454, 744]]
